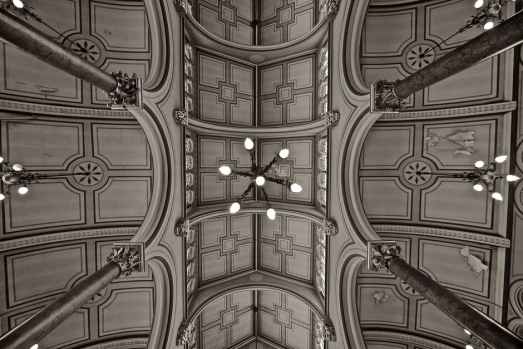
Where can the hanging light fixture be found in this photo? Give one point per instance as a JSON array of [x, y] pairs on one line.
[[259, 177], [484, 176], [16, 175]]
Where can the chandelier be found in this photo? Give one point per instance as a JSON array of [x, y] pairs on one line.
[[16, 175], [258, 175], [484, 176], [489, 13]]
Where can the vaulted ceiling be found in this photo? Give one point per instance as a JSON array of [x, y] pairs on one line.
[[271, 70]]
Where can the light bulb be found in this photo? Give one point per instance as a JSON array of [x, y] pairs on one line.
[[248, 143], [479, 3], [235, 207], [478, 187], [296, 188], [225, 170], [22, 190], [469, 346], [1, 159], [34, 346], [501, 159], [260, 180], [467, 332], [271, 214], [18, 167], [18, 4], [512, 178], [479, 164], [497, 196], [2, 197], [489, 25], [284, 153]]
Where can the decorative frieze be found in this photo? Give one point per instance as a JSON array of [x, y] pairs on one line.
[[130, 257]]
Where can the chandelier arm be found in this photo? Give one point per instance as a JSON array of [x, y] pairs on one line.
[[61, 175], [242, 173], [265, 196], [253, 160], [246, 192], [269, 165], [277, 180]]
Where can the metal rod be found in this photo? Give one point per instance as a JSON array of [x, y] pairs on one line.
[[38, 44]]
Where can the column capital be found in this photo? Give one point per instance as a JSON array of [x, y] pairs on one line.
[[329, 226], [380, 252], [383, 97], [181, 116], [130, 257], [128, 91], [182, 228], [331, 117], [186, 333]]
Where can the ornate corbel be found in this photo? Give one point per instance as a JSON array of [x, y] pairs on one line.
[[329, 226], [181, 116], [182, 6], [128, 91], [332, 7], [331, 117], [182, 228], [325, 331], [383, 97], [379, 254], [186, 333], [128, 256]]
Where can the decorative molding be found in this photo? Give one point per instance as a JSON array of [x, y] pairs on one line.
[[329, 227], [383, 97], [332, 7], [475, 264], [472, 111], [403, 338], [130, 257], [66, 236], [443, 233], [331, 117], [325, 331], [127, 92], [119, 344], [57, 110], [186, 333], [183, 228]]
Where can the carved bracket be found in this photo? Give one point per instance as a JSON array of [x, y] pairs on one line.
[[182, 228], [181, 117], [325, 332], [183, 6], [130, 257], [186, 334], [379, 253], [331, 118], [128, 91], [383, 97], [329, 226], [332, 7]]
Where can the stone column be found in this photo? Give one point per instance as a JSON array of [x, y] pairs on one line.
[[387, 96], [122, 88], [123, 260], [385, 255]]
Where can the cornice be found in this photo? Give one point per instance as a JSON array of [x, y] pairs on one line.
[[472, 111], [65, 236], [404, 338], [58, 110], [443, 233]]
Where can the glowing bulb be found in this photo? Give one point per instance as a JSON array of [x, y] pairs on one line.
[[2, 197], [260, 180], [479, 3], [469, 346], [1, 159], [467, 332], [296, 188], [497, 196], [271, 214], [34, 346], [18, 4], [501, 159], [478, 187], [489, 25], [235, 207], [512, 178], [479, 164], [248, 143], [18, 167], [284, 153], [225, 170], [22, 190]]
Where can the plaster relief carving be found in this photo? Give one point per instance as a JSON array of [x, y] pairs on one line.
[[474, 262], [380, 297], [463, 141]]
